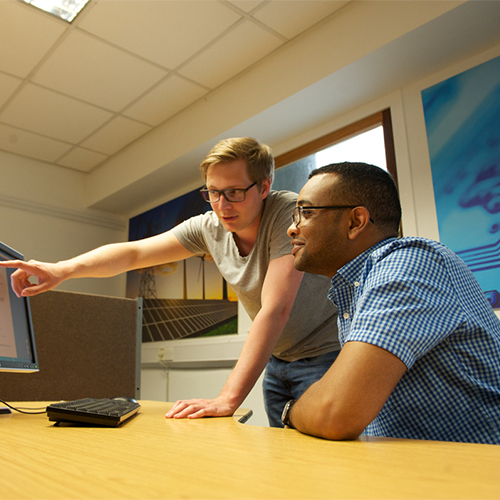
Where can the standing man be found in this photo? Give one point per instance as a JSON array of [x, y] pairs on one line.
[[294, 325], [421, 344]]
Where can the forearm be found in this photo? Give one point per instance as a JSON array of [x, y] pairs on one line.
[[278, 296], [262, 338], [350, 395], [317, 415], [253, 359], [103, 262], [116, 258]]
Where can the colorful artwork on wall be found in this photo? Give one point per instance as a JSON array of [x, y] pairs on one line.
[[181, 299], [462, 119]]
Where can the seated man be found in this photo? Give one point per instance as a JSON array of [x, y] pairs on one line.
[[421, 344]]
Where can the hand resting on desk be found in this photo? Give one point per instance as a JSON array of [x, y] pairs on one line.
[[197, 408]]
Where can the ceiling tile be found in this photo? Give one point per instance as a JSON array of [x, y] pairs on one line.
[[94, 71], [168, 98], [40, 110], [292, 17], [165, 32], [8, 85], [81, 159], [246, 5], [231, 54], [25, 36], [115, 135], [31, 145]]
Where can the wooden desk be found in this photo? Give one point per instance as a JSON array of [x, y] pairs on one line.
[[219, 458]]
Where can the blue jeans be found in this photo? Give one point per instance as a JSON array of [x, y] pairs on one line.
[[289, 380]]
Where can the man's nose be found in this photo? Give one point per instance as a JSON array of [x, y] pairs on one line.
[[223, 203], [293, 230]]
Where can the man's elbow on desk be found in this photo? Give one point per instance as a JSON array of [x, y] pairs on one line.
[[324, 421]]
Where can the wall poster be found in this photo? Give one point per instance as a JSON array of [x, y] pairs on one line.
[[462, 119], [181, 299]]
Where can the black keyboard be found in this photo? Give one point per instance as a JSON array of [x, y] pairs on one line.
[[108, 412]]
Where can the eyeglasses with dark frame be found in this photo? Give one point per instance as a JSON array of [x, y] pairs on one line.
[[231, 195], [298, 211]]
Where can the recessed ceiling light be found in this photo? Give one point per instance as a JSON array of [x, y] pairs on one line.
[[65, 9]]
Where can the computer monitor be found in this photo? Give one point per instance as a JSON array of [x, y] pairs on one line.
[[17, 340]]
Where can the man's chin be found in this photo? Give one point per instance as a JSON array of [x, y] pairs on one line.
[[230, 226], [299, 264], [306, 267]]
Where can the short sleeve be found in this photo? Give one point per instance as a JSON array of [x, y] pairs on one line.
[[278, 224], [190, 233]]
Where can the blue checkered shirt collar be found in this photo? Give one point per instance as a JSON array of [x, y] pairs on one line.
[[352, 272]]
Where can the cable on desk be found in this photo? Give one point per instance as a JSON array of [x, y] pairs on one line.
[[22, 409]]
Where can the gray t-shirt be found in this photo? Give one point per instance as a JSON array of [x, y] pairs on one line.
[[312, 326]]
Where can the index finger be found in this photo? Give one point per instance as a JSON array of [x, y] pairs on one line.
[[20, 264]]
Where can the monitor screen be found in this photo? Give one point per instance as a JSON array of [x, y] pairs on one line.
[[17, 341]]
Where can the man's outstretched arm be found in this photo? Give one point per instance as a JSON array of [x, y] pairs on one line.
[[34, 277]]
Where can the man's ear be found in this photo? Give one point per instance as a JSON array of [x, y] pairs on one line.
[[266, 187], [358, 222]]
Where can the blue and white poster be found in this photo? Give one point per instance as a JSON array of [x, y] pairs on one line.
[[462, 118]]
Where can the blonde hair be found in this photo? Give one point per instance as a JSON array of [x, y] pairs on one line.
[[259, 158]]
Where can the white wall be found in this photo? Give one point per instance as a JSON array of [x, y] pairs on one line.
[[43, 216]]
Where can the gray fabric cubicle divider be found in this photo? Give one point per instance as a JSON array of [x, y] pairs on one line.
[[87, 345]]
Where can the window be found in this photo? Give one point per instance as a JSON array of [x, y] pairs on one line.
[[369, 140], [366, 147]]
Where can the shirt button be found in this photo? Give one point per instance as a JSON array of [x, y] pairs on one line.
[[346, 315], [356, 283]]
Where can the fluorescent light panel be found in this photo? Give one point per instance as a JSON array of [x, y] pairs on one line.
[[65, 9]]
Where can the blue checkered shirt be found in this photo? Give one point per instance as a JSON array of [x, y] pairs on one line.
[[418, 300]]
